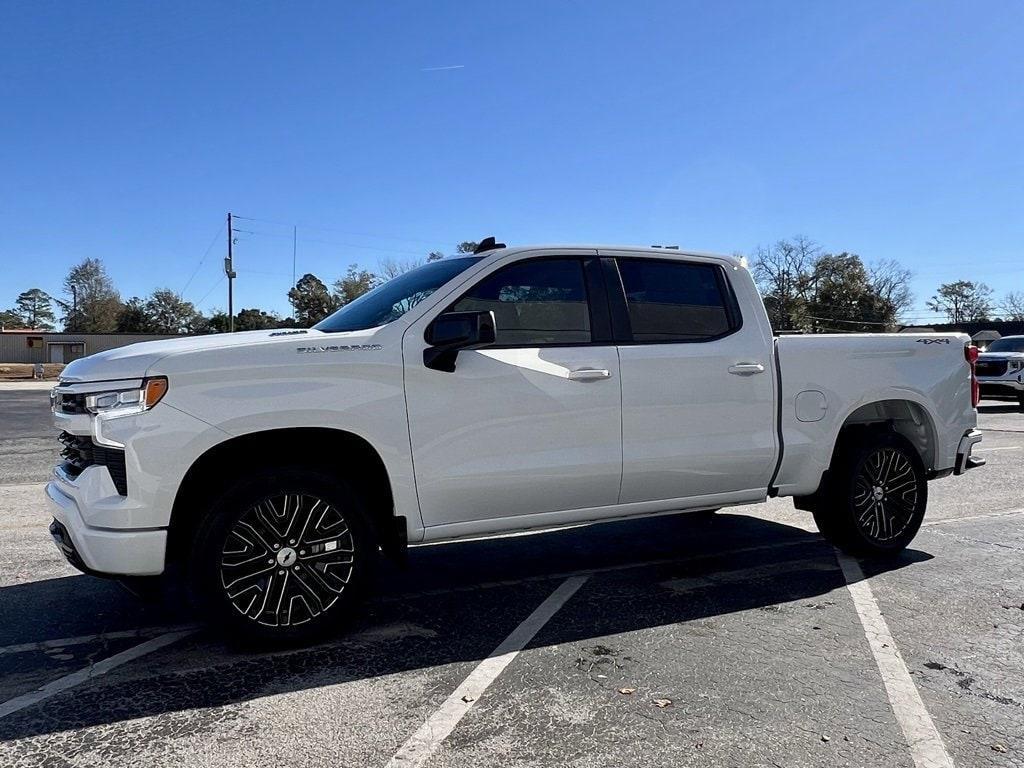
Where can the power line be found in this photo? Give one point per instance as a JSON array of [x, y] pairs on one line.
[[206, 253], [215, 286], [852, 322], [341, 231], [295, 238], [261, 272]]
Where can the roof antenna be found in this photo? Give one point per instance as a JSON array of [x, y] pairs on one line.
[[487, 244]]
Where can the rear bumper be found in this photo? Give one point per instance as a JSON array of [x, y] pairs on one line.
[[964, 460], [125, 552]]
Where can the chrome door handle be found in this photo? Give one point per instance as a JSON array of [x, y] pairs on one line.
[[746, 369], [590, 374]]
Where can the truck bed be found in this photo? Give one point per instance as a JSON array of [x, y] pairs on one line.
[[921, 382]]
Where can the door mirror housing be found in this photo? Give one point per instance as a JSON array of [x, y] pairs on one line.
[[454, 331]]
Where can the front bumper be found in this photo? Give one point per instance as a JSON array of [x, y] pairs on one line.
[[128, 552], [1002, 387], [964, 460]]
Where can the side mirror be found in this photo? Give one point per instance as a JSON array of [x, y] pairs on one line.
[[453, 331]]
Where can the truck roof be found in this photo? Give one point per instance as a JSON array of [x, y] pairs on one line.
[[651, 249]]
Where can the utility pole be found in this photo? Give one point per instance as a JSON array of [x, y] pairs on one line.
[[229, 270]]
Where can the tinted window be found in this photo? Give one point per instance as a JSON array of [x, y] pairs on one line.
[[674, 301], [389, 301], [1011, 344], [534, 302]]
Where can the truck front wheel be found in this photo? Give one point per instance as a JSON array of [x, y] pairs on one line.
[[282, 557], [876, 496]]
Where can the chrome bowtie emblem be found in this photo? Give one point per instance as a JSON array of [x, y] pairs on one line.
[[286, 557]]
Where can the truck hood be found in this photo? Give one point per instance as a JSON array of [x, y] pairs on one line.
[[132, 361]]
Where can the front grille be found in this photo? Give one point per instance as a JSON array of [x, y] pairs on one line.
[[990, 367], [80, 451], [998, 390]]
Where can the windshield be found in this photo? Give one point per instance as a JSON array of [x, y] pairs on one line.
[[1007, 345], [389, 301]]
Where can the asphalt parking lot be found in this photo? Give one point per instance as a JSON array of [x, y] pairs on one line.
[[672, 641]]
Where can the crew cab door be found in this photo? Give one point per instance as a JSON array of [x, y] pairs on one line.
[[698, 395], [527, 426]]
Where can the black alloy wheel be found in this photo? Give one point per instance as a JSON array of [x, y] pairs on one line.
[[282, 557], [885, 494], [874, 498], [287, 560]]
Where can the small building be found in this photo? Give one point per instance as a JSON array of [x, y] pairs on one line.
[[28, 346], [982, 339]]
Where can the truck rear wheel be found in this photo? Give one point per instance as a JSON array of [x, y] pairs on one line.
[[876, 496], [282, 558]]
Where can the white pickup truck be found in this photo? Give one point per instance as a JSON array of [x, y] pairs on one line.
[[518, 388], [1000, 369]]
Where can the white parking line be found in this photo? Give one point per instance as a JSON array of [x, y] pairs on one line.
[[999, 448], [743, 575], [926, 746], [970, 518], [87, 673], [64, 642], [422, 744]]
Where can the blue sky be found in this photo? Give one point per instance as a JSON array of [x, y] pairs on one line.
[[893, 130]]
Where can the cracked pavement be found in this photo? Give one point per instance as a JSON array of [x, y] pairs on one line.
[[724, 642]]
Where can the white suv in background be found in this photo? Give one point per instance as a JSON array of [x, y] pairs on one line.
[[1000, 369]]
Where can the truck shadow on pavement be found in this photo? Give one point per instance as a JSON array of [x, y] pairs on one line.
[[453, 604]]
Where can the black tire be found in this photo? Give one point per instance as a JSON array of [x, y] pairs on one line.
[[876, 496], [263, 583]]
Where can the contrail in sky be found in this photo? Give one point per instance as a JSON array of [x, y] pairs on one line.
[[441, 69]]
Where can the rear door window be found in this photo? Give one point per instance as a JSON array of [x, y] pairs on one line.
[[676, 301]]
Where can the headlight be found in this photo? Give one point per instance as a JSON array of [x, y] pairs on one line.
[[125, 402], [1016, 365]]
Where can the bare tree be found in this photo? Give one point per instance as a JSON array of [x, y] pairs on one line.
[[391, 268], [388, 269], [783, 272], [891, 282], [1013, 306]]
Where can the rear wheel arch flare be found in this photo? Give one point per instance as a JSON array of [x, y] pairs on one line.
[[907, 418]]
